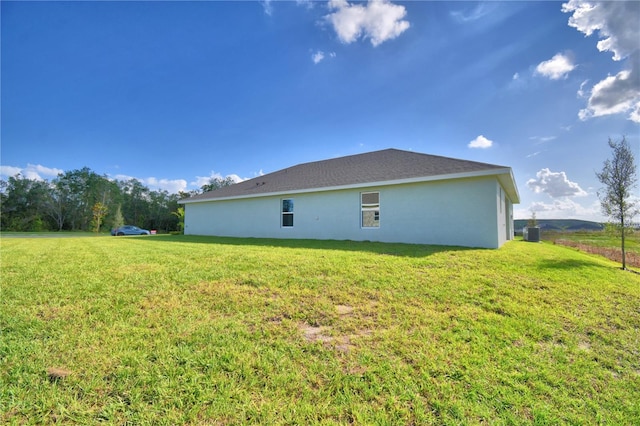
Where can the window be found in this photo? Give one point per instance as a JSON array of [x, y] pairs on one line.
[[370, 207], [287, 213]]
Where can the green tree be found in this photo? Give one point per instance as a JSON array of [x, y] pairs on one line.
[[117, 220], [81, 189], [161, 205], [618, 176], [136, 202], [99, 211], [67, 202], [23, 204], [217, 183], [180, 215], [57, 203]]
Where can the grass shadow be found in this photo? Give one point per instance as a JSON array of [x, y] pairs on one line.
[[389, 249], [568, 264]]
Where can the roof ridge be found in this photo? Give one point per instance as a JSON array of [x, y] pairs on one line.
[[386, 165]]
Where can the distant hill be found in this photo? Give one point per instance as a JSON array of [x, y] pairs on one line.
[[561, 225]]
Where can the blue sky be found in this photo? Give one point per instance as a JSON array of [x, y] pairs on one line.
[[173, 93]]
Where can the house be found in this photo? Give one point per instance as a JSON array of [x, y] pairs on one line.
[[388, 196]]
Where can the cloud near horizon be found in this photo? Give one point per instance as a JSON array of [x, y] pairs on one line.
[[377, 20], [554, 184], [203, 180], [173, 186], [616, 23], [560, 208], [32, 171]]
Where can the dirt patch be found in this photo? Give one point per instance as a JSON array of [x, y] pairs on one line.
[[614, 254], [344, 310], [343, 343], [584, 346], [55, 374], [317, 334], [314, 334]]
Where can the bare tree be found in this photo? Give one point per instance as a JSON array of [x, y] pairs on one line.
[[618, 176]]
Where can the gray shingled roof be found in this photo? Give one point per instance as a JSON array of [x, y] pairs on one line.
[[373, 167]]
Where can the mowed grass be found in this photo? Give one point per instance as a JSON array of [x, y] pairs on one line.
[[606, 244], [196, 330], [597, 239]]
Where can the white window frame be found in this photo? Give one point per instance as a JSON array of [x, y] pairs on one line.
[[288, 213], [370, 207]]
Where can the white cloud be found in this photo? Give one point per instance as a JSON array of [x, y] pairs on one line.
[[561, 209], [614, 95], [581, 91], [518, 81], [9, 171], [320, 56], [317, 57], [124, 177], [616, 23], [556, 68], [480, 142], [635, 114], [173, 186], [542, 139], [45, 171], [268, 8], [306, 3], [554, 184], [203, 180], [236, 178], [479, 11], [378, 20], [39, 172], [32, 171]]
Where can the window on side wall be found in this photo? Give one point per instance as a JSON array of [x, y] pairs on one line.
[[370, 209], [287, 213]]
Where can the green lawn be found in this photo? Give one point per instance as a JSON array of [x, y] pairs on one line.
[[175, 330], [597, 239], [606, 244]]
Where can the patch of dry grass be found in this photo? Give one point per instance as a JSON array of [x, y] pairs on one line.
[[611, 253]]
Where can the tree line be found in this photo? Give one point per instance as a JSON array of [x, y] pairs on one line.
[[82, 200]]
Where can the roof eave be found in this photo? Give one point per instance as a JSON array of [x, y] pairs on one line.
[[505, 176], [508, 182]]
